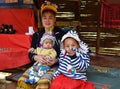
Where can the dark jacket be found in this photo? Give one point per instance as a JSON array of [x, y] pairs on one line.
[[37, 37]]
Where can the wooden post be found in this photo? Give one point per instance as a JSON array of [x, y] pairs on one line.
[[98, 40], [38, 14], [98, 31]]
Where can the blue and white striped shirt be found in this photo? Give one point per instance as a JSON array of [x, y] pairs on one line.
[[74, 68]]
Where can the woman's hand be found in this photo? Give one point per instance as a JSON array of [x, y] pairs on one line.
[[45, 61], [41, 59], [51, 62]]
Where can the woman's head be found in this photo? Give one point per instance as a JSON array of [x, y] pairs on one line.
[[48, 13], [48, 6]]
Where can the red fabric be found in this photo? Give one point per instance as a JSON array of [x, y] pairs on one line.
[[19, 41], [63, 82], [13, 50], [14, 47], [20, 18], [110, 14]]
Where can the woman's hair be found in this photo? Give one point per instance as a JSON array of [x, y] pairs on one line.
[[48, 10]]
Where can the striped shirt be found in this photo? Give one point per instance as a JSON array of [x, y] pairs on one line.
[[74, 68]]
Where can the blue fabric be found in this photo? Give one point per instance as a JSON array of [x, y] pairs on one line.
[[104, 78]]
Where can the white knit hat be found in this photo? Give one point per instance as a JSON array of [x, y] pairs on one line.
[[73, 34], [47, 36]]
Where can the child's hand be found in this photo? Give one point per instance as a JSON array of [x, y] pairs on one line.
[[63, 51]]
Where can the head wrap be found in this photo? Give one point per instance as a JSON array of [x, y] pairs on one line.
[[49, 6]]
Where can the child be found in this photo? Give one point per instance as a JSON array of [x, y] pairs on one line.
[[37, 70], [73, 63]]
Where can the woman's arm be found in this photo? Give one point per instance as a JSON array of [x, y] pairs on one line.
[[34, 44]]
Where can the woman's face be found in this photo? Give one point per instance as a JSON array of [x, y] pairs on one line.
[[48, 20]]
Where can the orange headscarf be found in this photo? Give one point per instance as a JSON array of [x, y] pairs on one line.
[[49, 6]]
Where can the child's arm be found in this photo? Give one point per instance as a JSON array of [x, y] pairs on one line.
[[81, 62], [56, 74], [61, 69]]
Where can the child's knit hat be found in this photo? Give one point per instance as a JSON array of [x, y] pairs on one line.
[[73, 34], [47, 36]]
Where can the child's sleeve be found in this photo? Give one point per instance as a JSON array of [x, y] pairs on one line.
[[61, 66], [52, 53], [56, 74], [81, 63]]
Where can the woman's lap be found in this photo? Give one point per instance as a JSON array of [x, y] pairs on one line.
[[43, 83]]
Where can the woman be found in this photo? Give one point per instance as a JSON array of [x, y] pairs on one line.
[[48, 15]]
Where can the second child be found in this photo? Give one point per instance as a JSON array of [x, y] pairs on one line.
[[46, 50], [73, 63]]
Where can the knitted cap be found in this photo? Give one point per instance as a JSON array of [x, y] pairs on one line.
[[73, 34], [47, 36], [49, 6]]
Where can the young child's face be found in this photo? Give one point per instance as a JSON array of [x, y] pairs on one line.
[[70, 43], [47, 44]]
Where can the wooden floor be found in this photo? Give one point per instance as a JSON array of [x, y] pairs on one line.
[[7, 84]]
